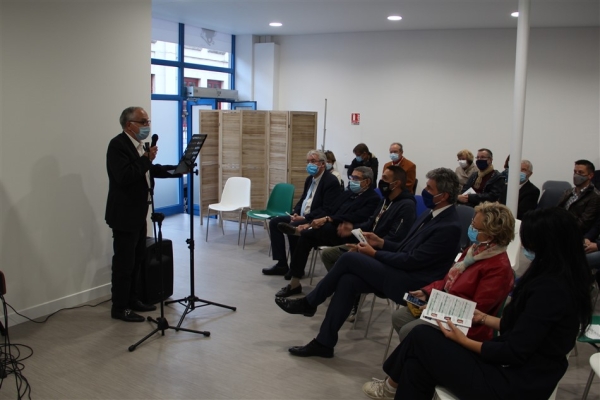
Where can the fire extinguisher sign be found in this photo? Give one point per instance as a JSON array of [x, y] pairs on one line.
[[355, 118]]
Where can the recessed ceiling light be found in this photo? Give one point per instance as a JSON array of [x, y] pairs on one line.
[[394, 18], [515, 14], [275, 24]]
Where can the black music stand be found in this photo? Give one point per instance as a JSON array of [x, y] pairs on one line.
[[187, 164]]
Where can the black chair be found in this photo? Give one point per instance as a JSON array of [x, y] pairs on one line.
[[552, 191], [415, 186]]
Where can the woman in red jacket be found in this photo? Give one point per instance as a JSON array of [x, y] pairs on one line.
[[551, 305], [483, 274]]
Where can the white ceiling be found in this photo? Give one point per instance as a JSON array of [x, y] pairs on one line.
[[334, 16]]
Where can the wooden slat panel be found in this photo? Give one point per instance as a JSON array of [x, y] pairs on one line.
[[209, 160], [302, 139], [254, 154]]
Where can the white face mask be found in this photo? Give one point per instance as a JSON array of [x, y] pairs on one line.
[[462, 163]]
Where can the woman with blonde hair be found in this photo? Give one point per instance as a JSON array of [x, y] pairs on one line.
[[466, 166]]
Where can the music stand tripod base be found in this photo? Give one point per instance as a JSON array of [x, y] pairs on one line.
[[161, 322]]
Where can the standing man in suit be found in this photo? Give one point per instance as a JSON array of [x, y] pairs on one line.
[[386, 268], [321, 189], [130, 175], [528, 192], [398, 159]]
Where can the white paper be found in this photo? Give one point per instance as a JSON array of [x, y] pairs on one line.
[[469, 191], [263, 215], [443, 306], [359, 235], [593, 332]]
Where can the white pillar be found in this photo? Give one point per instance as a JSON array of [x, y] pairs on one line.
[[516, 147]]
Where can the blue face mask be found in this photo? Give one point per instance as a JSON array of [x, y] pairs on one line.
[[312, 169], [354, 186], [394, 157], [530, 255], [522, 177], [473, 233], [328, 166], [358, 158], [428, 199], [143, 133]]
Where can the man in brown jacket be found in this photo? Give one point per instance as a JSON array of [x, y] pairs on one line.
[[583, 201]]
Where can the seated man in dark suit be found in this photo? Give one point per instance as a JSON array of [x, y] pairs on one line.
[[583, 201], [354, 205], [391, 220], [487, 184], [386, 268], [321, 190], [528, 192]]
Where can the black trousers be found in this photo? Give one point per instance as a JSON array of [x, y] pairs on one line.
[[353, 274], [309, 238], [278, 238], [129, 250]]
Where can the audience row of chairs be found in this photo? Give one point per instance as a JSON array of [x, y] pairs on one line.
[[236, 197]]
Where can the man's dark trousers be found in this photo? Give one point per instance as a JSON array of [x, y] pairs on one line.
[[129, 251]]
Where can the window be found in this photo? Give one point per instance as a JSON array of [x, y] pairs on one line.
[[214, 84], [165, 40]]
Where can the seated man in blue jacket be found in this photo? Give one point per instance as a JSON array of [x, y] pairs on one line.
[[321, 190], [386, 268], [354, 205]]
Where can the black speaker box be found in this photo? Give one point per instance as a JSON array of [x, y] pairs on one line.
[[151, 290]]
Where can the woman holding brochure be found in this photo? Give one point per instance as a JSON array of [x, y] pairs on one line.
[[550, 307], [482, 273]]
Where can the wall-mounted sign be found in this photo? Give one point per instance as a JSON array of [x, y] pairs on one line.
[[355, 118]]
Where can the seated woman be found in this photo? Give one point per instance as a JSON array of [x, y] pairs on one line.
[[466, 166], [482, 274], [330, 166], [551, 305], [364, 158]]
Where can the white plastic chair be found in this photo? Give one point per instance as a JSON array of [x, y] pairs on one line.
[[235, 196]]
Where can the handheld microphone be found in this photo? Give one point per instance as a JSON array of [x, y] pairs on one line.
[[154, 140]]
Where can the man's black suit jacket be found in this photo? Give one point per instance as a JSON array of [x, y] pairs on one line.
[[127, 203], [528, 199], [324, 198]]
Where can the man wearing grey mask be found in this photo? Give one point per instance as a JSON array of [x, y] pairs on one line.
[[583, 201]]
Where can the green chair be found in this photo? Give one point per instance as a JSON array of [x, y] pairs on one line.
[[279, 204]]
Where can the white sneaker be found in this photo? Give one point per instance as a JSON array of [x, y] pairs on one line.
[[377, 389]]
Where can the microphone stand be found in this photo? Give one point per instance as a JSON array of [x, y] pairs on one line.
[[161, 322]]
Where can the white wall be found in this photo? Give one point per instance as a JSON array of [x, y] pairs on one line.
[[438, 92], [68, 69]]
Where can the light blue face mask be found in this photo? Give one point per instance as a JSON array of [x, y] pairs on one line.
[[143, 133], [312, 169], [522, 177], [354, 186], [328, 166], [473, 233], [530, 255], [359, 159], [394, 156]]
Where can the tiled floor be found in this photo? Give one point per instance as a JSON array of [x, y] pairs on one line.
[[83, 354]]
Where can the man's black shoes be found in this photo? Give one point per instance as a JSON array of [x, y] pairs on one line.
[[141, 307], [313, 349], [126, 315], [276, 270], [287, 229], [296, 306], [287, 291]]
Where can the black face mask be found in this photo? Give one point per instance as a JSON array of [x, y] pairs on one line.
[[384, 188]]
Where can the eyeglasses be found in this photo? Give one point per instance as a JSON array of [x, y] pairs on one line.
[[356, 178], [145, 122], [313, 161]]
